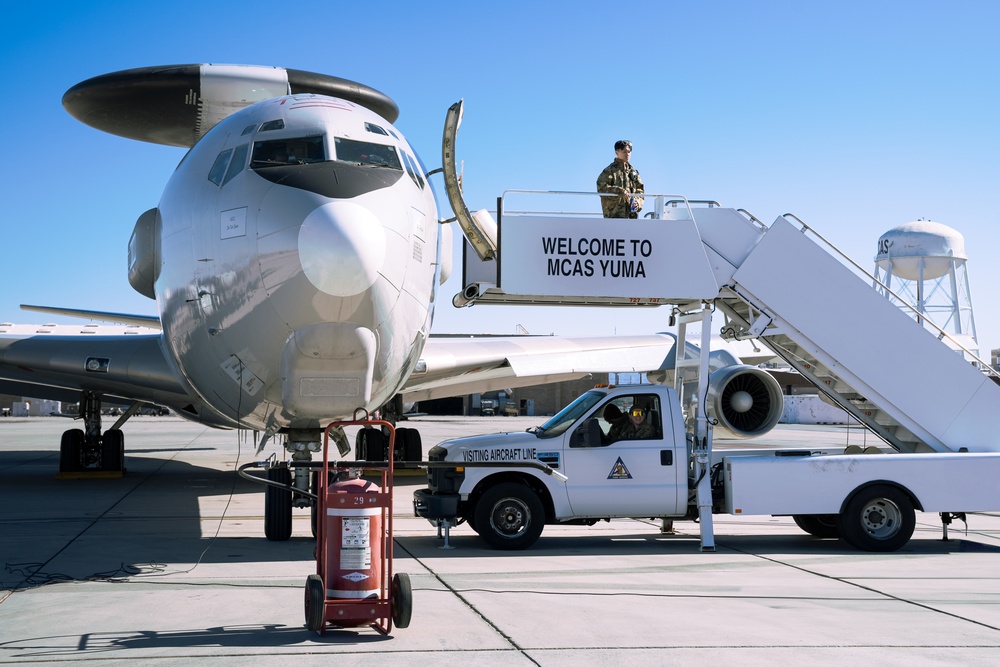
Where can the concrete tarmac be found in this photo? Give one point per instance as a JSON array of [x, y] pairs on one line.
[[168, 566]]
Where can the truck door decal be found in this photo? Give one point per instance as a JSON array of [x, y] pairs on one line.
[[619, 471]]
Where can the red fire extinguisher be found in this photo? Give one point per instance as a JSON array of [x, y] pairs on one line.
[[354, 540]]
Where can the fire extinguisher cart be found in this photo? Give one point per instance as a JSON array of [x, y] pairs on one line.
[[354, 584]]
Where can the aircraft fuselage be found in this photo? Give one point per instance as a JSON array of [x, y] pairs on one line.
[[296, 263]]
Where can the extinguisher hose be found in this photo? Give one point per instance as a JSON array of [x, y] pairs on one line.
[[278, 485]]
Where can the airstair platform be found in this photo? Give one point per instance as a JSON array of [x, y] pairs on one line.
[[775, 284]]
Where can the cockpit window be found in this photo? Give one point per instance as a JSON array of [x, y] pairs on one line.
[[413, 170], [219, 168], [365, 153], [375, 129], [272, 125], [238, 162], [297, 150]]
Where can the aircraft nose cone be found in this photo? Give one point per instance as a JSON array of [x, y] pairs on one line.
[[342, 248]]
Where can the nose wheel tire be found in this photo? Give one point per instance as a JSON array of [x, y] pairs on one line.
[[409, 446], [278, 505], [509, 516], [877, 518], [370, 445]]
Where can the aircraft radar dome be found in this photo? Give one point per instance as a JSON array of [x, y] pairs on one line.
[[903, 249]]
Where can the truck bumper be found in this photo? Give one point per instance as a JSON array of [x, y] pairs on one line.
[[432, 506]]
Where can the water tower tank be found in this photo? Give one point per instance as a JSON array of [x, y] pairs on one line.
[[903, 249], [922, 267]]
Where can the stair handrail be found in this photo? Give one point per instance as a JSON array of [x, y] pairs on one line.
[[983, 366], [659, 202]]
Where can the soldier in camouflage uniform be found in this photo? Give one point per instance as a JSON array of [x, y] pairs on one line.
[[621, 178]]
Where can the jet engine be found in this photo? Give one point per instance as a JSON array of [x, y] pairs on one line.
[[144, 253], [745, 400]]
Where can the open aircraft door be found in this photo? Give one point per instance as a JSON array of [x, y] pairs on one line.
[[479, 228]]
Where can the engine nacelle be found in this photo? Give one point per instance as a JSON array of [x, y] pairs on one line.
[[745, 400], [144, 253]]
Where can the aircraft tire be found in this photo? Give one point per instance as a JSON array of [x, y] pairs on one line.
[[113, 450], [409, 446], [315, 603], [509, 516], [817, 525], [372, 443], [70, 447], [360, 447], [402, 600], [278, 505], [314, 506], [877, 518]]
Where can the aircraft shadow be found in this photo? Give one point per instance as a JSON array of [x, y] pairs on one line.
[[162, 516], [94, 644]]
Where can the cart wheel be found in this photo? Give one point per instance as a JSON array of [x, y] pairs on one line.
[[315, 603], [402, 600]]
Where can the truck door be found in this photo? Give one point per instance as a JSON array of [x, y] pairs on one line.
[[632, 469]]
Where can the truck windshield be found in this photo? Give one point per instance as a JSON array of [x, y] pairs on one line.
[[569, 415]]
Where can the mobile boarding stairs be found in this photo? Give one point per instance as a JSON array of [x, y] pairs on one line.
[[774, 284]]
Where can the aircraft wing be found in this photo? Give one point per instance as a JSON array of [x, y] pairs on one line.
[[59, 361], [148, 321], [454, 365]]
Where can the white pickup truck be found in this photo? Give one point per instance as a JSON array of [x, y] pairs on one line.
[[499, 487]]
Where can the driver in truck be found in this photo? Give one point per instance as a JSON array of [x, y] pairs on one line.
[[637, 427], [633, 425]]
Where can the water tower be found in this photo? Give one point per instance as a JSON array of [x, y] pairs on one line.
[[924, 262]]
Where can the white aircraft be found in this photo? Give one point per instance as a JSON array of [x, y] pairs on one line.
[[294, 258]]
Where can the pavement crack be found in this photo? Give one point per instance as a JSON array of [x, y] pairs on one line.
[[870, 589], [454, 591]]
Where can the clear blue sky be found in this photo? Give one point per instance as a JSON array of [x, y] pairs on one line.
[[855, 116]]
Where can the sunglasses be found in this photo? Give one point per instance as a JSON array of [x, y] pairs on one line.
[[637, 412]]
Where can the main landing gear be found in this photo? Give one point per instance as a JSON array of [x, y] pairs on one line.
[[88, 450]]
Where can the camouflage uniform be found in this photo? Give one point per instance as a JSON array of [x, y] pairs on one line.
[[630, 431], [620, 177]]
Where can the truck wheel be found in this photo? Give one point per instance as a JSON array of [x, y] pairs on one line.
[[817, 525], [509, 516], [877, 518]]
